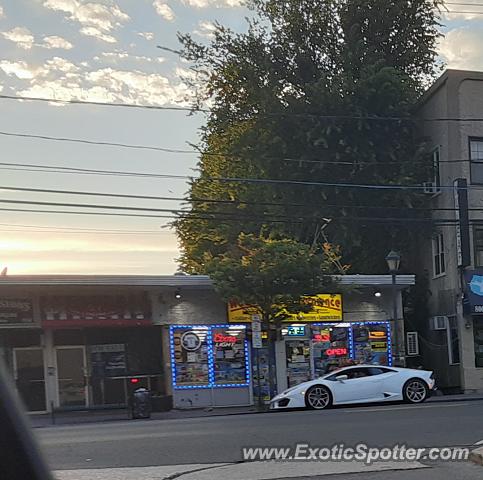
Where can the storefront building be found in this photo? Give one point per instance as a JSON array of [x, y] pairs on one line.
[[79, 342]]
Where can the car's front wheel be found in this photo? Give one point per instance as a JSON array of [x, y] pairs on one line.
[[318, 397], [415, 391]]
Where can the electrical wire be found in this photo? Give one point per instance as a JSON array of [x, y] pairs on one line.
[[266, 114], [232, 157]]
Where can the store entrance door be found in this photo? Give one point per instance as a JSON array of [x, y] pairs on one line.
[[30, 378], [71, 377]]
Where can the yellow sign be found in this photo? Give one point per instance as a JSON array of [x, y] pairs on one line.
[[379, 346], [324, 307], [241, 313]]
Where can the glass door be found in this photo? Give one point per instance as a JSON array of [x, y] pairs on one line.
[[71, 376], [29, 377]]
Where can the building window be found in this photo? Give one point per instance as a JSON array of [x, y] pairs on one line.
[[435, 156], [453, 341], [439, 267], [478, 246], [476, 158], [412, 343]]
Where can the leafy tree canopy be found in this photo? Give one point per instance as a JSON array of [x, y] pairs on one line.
[[297, 96], [272, 273]]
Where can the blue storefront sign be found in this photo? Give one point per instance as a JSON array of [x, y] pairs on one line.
[[473, 301]]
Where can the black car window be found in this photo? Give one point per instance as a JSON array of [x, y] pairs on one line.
[[357, 372], [377, 371]]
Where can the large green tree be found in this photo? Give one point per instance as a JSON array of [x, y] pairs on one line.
[[319, 91]]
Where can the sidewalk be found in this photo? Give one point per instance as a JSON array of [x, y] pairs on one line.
[[93, 416]]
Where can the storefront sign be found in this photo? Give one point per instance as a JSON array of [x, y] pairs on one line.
[[70, 311], [473, 302], [336, 352], [295, 331], [379, 346], [190, 341], [257, 341], [241, 313], [323, 307], [224, 340], [15, 311]]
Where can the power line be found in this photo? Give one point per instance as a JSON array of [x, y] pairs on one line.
[[95, 142], [266, 114], [53, 228], [103, 104], [228, 202], [258, 220], [232, 156]]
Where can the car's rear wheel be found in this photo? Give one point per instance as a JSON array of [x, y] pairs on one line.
[[318, 397], [415, 390]]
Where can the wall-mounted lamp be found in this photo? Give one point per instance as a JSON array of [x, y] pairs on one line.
[[177, 294], [378, 294]]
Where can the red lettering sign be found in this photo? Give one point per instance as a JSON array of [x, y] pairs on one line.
[[337, 352], [322, 337], [220, 338]]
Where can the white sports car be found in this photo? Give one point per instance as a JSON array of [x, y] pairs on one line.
[[358, 384]]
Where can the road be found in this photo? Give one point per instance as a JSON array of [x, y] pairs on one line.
[[219, 440]]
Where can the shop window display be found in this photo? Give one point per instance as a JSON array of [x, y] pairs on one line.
[[209, 356]]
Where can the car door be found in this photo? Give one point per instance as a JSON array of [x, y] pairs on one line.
[[360, 386]]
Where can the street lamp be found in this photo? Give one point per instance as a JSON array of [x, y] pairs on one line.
[[393, 260]]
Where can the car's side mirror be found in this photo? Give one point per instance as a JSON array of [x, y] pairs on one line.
[[341, 378]]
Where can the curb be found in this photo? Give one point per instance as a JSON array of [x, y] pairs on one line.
[[440, 399], [476, 456]]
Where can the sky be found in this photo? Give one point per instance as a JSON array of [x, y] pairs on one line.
[[106, 51]]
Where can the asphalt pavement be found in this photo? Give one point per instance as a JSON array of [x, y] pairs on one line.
[[167, 448]]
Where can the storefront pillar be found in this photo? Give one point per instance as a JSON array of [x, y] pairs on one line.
[[49, 365], [281, 365], [168, 379]]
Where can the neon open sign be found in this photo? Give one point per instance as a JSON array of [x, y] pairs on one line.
[[336, 352]]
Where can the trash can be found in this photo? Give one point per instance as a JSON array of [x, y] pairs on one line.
[[140, 404]]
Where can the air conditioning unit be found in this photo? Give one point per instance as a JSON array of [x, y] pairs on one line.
[[438, 323], [430, 188]]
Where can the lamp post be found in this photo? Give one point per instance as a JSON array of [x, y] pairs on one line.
[[393, 260]]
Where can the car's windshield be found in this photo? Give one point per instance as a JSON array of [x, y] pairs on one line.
[[243, 238]]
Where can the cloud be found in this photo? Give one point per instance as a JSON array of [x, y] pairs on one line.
[[147, 35], [123, 55], [462, 48], [213, 3], [97, 19], [61, 65], [61, 78], [57, 42], [205, 29], [96, 33], [21, 36], [164, 10], [2, 13], [21, 70]]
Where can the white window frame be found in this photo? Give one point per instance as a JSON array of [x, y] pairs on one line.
[[415, 339], [449, 341], [438, 255]]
